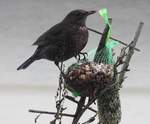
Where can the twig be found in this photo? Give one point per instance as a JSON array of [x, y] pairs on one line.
[[90, 120], [46, 112], [73, 100], [90, 29], [120, 58], [37, 117], [79, 108], [129, 54], [83, 110], [60, 97]]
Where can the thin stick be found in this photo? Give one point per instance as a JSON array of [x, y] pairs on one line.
[[46, 112], [129, 54], [73, 100], [90, 120], [79, 107], [90, 29]]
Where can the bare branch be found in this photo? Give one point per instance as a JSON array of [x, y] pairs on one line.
[[129, 54], [52, 113], [79, 108], [90, 29], [73, 100], [90, 120]]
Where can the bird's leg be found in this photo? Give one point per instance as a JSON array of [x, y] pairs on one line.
[[60, 67], [57, 64]]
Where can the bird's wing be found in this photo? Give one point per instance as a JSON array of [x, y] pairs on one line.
[[53, 36]]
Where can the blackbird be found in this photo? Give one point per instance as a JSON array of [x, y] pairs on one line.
[[63, 41]]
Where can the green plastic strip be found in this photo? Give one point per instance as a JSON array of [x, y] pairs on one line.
[[104, 14], [108, 55]]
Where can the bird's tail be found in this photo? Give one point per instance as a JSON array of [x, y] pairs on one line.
[[26, 63]]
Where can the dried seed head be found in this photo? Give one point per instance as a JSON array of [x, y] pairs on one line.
[[82, 77]]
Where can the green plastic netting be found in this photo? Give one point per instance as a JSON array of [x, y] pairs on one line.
[[105, 55]]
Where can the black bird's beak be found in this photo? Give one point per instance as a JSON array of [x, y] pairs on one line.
[[91, 12]]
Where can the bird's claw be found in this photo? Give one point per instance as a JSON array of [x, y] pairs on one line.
[[84, 55], [78, 57]]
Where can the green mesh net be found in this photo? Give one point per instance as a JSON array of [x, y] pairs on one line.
[[105, 55]]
